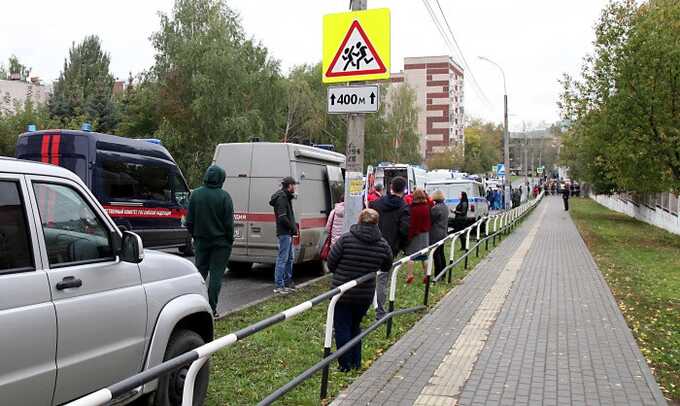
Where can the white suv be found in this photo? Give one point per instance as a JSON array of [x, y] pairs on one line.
[[82, 305]]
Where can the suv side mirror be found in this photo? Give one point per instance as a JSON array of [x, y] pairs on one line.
[[132, 249]]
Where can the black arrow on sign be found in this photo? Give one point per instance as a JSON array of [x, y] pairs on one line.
[[372, 98], [332, 100]]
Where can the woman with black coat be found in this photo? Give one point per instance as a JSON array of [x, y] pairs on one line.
[[439, 215], [360, 251]]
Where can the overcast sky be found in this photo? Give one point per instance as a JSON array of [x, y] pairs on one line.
[[535, 41]]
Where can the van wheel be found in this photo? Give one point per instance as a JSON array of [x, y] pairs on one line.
[[170, 386], [240, 267], [188, 250]]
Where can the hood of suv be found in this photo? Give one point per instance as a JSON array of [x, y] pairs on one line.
[[158, 265]]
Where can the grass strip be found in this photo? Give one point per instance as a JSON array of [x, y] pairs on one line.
[[246, 372], [641, 264]]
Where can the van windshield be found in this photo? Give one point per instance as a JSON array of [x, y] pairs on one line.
[[451, 190], [136, 181]]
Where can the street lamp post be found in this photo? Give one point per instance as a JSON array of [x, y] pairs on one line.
[[506, 136]]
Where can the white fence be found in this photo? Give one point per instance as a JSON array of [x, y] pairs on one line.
[[660, 209]]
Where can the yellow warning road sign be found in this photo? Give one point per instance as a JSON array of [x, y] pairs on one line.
[[356, 46]]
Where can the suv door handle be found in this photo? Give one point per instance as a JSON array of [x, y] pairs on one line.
[[69, 282]]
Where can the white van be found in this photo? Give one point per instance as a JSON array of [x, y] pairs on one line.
[[254, 172], [416, 177], [478, 206]]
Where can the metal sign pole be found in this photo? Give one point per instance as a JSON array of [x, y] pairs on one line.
[[356, 124]]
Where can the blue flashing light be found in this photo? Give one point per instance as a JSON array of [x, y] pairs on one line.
[[153, 141], [32, 127], [86, 127]]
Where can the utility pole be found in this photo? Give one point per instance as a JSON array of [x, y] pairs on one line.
[[506, 152], [354, 152], [525, 164]]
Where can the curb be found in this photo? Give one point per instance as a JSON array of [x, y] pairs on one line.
[[264, 299]]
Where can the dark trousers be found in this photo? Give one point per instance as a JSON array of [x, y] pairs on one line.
[[566, 204], [211, 260], [439, 260], [347, 324]]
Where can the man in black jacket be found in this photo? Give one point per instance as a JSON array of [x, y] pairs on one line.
[[565, 196], [360, 251], [393, 223], [286, 228]]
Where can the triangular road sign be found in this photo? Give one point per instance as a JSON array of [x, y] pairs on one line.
[[356, 55]]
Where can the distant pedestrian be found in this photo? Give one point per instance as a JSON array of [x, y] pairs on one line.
[[489, 198], [286, 228], [498, 199], [364, 241], [376, 193], [419, 229], [439, 214], [565, 197], [461, 211], [393, 223], [210, 221], [336, 221]]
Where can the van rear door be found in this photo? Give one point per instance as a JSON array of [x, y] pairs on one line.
[[70, 151], [236, 159]]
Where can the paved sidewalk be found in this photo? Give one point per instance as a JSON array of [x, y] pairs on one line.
[[533, 324]]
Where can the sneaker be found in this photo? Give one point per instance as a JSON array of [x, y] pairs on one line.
[[215, 314], [292, 287], [281, 291]]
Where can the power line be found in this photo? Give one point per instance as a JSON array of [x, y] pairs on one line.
[[457, 50]]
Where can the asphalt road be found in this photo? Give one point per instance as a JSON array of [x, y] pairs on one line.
[[242, 289]]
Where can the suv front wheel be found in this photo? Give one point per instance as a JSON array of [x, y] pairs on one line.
[[170, 386]]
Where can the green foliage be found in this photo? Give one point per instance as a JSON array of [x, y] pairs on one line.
[[85, 86], [214, 85], [625, 109], [138, 108], [14, 67], [12, 124], [482, 146], [391, 134]]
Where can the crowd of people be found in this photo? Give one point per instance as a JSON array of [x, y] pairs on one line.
[[393, 223]]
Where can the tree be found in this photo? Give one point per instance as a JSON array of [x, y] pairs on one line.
[[14, 67], [453, 159], [394, 130], [214, 85], [138, 107], [85, 87], [482, 146], [625, 109]]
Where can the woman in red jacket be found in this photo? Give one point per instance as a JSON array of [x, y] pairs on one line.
[[419, 228]]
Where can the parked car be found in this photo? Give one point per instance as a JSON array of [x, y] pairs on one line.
[[137, 181], [478, 206], [254, 172], [82, 304]]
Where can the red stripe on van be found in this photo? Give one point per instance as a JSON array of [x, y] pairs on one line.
[[56, 138], [144, 212], [305, 223], [45, 149]]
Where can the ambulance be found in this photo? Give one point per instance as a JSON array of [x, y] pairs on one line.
[[254, 172]]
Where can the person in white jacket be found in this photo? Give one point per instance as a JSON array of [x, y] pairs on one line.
[[336, 221]]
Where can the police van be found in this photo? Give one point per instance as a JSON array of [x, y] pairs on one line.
[[478, 206], [254, 172], [137, 181]]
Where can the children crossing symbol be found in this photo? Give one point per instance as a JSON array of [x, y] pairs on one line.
[[356, 55]]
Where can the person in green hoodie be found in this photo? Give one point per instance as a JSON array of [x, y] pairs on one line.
[[211, 222]]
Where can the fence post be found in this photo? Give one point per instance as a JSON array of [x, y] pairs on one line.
[[479, 226], [428, 273], [486, 233], [467, 246], [393, 294], [327, 342], [452, 257]]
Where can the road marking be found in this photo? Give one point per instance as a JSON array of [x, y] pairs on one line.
[[446, 384]]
